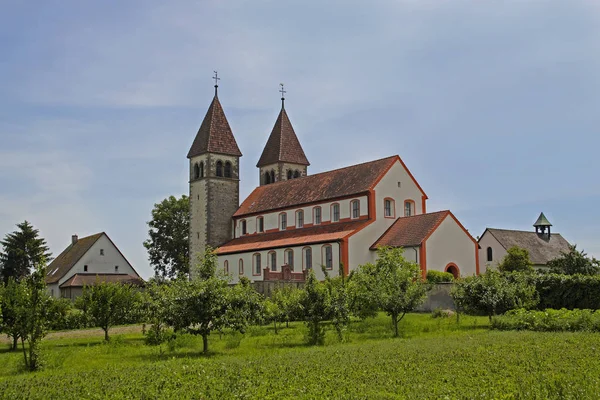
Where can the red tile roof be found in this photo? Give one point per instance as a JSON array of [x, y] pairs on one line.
[[294, 237], [69, 257], [283, 144], [410, 231], [214, 135], [329, 185], [80, 280]]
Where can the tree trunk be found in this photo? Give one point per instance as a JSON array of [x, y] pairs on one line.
[[15, 342], [395, 323], [275, 323], [287, 323], [24, 353], [106, 338], [205, 343]]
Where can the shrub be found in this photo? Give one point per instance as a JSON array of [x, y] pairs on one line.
[[439, 277], [440, 313], [568, 291], [548, 320]]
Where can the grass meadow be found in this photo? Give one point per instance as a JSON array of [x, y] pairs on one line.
[[433, 358]]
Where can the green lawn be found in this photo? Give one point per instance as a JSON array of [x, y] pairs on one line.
[[434, 358]]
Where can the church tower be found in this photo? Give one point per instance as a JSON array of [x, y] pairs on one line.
[[282, 157], [214, 182]]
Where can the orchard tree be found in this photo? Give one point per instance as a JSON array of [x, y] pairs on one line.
[[21, 251], [33, 314], [574, 262], [168, 246], [107, 304], [12, 300], [287, 300], [316, 304], [339, 311], [392, 285], [516, 260], [157, 309]]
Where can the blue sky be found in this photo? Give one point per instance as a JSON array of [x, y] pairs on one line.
[[492, 105]]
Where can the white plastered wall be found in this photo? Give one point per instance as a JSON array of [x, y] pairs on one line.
[[318, 258], [388, 187], [498, 251], [449, 243], [271, 220]]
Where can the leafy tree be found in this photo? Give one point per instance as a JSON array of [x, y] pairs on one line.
[[12, 300], [393, 284], [339, 311], [22, 250], [316, 303], [273, 312], [108, 304], [574, 262], [168, 246], [288, 302], [32, 315], [58, 313], [207, 304], [157, 308], [517, 259], [494, 293]]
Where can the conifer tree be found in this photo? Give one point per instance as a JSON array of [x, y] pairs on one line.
[[22, 250]]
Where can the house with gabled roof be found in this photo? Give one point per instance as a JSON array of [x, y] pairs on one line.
[[542, 245], [293, 221], [84, 262]]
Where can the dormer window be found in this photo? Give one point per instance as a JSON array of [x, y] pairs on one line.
[[299, 219], [355, 206]]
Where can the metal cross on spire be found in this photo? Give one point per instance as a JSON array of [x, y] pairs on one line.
[[283, 92], [217, 79]]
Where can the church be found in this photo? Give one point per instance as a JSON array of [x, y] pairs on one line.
[[294, 221]]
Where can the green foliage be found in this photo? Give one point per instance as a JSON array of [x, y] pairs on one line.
[[11, 307], [207, 264], [107, 304], [168, 245], [156, 308], [574, 262], [548, 320], [494, 293], [517, 260], [439, 277], [392, 285], [316, 303], [339, 308], [32, 314], [60, 313], [568, 291], [287, 300], [22, 251]]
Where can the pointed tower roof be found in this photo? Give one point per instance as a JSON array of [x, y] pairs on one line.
[[542, 221], [283, 144], [214, 135]]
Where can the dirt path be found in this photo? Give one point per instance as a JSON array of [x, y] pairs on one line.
[[86, 333]]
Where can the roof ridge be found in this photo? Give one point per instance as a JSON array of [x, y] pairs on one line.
[[519, 230]]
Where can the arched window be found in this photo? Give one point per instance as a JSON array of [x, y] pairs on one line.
[[453, 269], [299, 219], [196, 171], [219, 168], [307, 259], [226, 267], [201, 169], [244, 227], [327, 256], [317, 216], [241, 267], [335, 212], [409, 208], [227, 169], [282, 221], [257, 264], [289, 257], [260, 224], [490, 254], [355, 209], [296, 174], [267, 178], [272, 176], [289, 174], [389, 209], [273, 261]]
